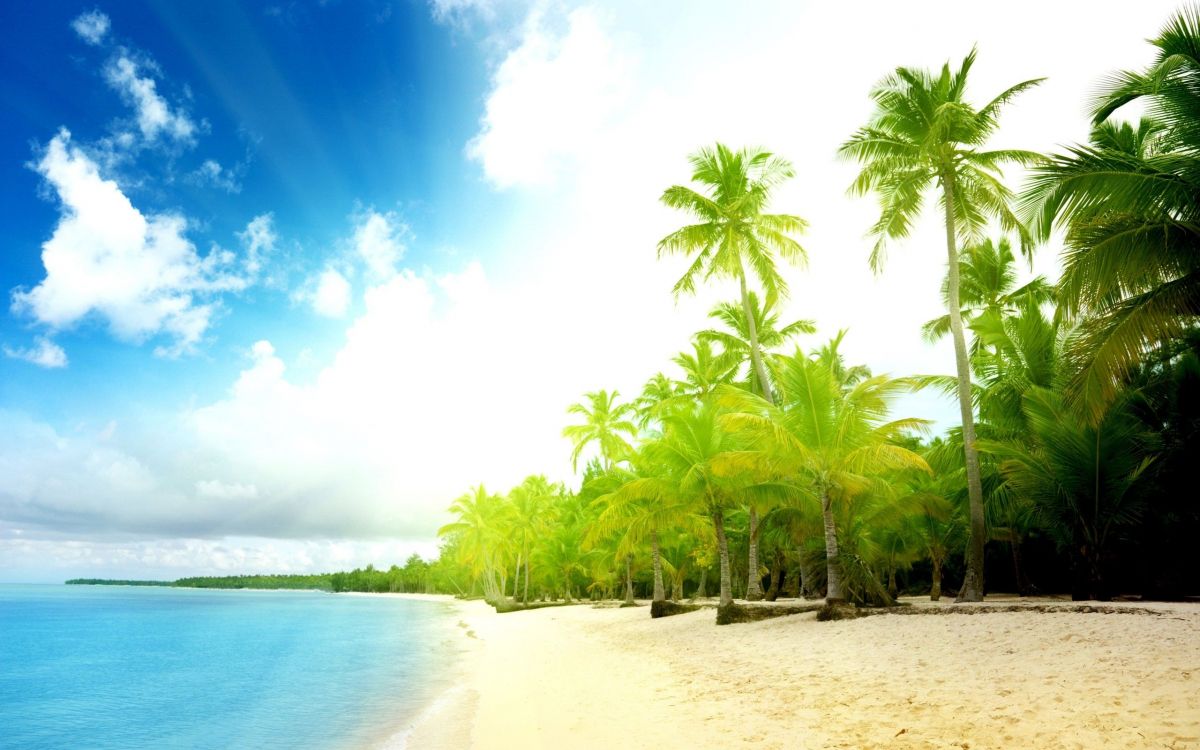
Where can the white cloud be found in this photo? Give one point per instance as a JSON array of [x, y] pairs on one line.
[[551, 97], [455, 11], [91, 26], [45, 353], [379, 241], [210, 173], [331, 297], [259, 238], [139, 273], [154, 115]]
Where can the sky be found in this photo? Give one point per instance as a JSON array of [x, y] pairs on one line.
[[284, 279]]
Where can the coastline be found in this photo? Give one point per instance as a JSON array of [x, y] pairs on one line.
[[585, 677]]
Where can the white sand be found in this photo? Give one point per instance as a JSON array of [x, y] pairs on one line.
[[579, 677]]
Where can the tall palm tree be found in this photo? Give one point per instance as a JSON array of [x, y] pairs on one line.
[[924, 133], [824, 440], [733, 235], [1130, 204], [606, 422]]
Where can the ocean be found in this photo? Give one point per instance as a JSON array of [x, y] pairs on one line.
[[146, 667]]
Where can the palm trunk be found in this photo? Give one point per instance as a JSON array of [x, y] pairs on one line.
[[629, 579], [516, 577], [526, 595], [935, 592], [776, 574], [701, 590], [833, 564], [754, 590], [659, 592], [723, 551], [753, 581], [972, 588]]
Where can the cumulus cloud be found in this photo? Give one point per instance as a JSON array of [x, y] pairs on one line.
[[154, 115], [45, 353], [91, 26], [331, 297], [379, 241], [550, 98], [138, 273]]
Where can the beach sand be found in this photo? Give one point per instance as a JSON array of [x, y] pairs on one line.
[[584, 677]]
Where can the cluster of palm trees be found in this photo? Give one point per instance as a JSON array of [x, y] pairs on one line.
[[786, 467]]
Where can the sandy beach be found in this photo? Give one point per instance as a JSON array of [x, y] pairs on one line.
[[585, 677]]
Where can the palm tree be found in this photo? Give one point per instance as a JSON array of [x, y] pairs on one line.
[[703, 369], [530, 501], [691, 440], [923, 132], [1082, 478], [733, 231], [605, 421], [987, 289], [735, 341], [824, 440], [645, 502], [477, 531], [1130, 204]]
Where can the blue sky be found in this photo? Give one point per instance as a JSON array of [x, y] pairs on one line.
[[283, 279], [312, 112]]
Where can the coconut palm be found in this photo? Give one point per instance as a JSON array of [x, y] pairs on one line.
[[703, 369], [531, 500], [692, 437], [645, 502], [824, 440], [735, 341], [478, 533], [924, 133], [1081, 478], [987, 289], [733, 236], [1130, 204], [606, 422]]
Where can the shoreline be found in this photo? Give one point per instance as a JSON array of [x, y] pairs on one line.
[[585, 677]]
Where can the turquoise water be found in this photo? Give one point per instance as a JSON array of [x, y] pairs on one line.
[[126, 667]]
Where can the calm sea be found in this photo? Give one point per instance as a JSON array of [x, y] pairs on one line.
[[131, 667]]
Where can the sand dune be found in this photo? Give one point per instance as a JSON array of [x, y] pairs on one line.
[[580, 677]]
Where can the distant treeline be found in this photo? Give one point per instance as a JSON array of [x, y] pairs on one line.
[[412, 578], [114, 582]]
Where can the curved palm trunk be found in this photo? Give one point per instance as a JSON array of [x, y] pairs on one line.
[[753, 580], [659, 592], [702, 589], [629, 579], [723, 550], [972, 587], [833, 563]]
